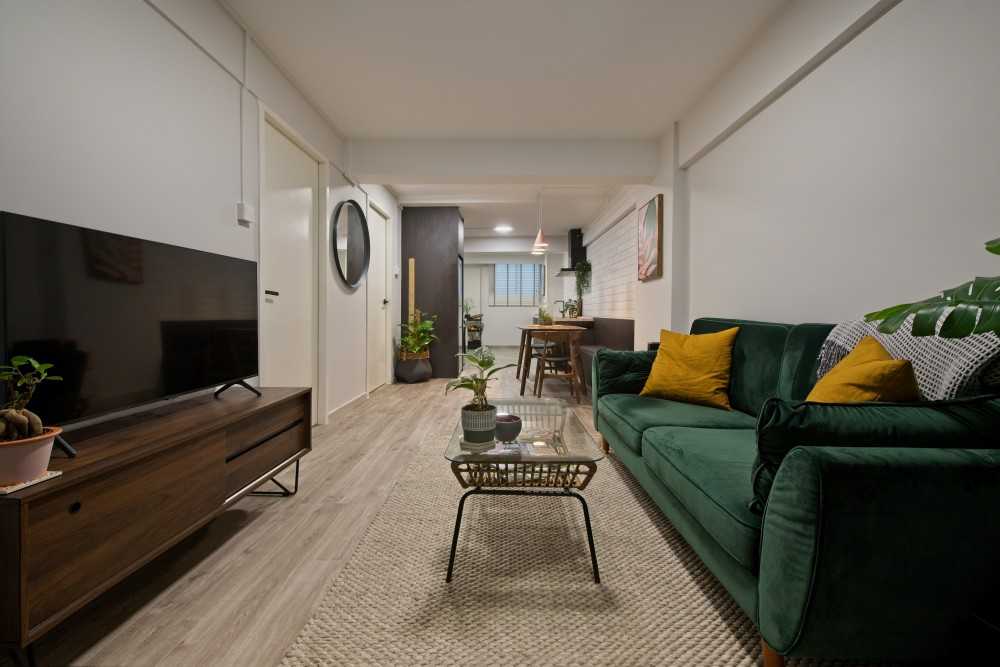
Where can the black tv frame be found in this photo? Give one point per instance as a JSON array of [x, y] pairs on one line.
[[96, 417]]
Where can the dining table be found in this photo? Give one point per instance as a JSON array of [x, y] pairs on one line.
[[546, 331]]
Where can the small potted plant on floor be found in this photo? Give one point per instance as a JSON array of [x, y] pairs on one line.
[[25, 443], [416, 336], [479, 418]]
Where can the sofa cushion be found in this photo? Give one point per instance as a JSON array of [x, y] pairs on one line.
[[756, 363], [800, 360], [967, 423], [867, 374], [706, 469], [630, 415], [693, 368]]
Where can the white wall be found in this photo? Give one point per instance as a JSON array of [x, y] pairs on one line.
[[789, 40], [500, 322], [612, 248], [873, 181], [613, 260], [113, 120], [346, 335], [126, 117], [572, 162]]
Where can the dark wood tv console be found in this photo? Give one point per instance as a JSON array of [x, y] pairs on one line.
[[138, 486]]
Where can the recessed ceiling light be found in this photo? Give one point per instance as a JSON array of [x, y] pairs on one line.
[[503, 229]]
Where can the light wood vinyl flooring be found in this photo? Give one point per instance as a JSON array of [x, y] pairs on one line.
[[238, 591]]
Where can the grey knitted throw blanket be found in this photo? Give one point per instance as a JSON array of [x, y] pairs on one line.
[[945, 368]]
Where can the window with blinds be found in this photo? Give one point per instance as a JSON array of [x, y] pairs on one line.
[[518, 284]]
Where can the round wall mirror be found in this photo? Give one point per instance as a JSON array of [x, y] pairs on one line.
[[351, 243]]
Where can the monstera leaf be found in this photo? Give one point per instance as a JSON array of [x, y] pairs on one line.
[[975, 309]]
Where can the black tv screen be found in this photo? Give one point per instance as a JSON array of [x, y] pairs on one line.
[[125, 321]]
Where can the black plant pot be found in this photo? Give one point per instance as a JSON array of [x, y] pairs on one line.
[[413, 370]]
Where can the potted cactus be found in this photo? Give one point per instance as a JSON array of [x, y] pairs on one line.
[[416, 336], [479, 418], [25, 443]]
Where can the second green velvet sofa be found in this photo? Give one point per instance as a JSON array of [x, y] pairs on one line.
[[860, 552]]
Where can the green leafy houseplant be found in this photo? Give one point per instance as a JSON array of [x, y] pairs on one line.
[[416, 336], [484, 363], [975, 304], [543, 316], [583, 276], [22, 377]]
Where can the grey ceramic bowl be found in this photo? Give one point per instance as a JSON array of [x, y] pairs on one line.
[[508, 427]]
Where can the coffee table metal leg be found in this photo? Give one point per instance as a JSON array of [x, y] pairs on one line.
[[458, 526], [523, 492], [590, 535]]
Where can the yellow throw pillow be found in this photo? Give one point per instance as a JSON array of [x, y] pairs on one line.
[[868, 373], [693, 369]]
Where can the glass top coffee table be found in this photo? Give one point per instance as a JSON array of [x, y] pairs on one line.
[[552, 456]]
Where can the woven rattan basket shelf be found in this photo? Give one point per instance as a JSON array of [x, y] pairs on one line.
[[543, 425]]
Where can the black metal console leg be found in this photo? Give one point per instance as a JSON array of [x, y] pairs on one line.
[[239, 383], [590, 536], [454, 537], [65, 447], [285, 491]]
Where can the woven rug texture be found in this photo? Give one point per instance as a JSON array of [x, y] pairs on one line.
[[522, 593]]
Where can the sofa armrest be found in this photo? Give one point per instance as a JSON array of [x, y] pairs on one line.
[[877, 552], [619, 372]]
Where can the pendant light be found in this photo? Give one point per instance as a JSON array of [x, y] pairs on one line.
[[540, 243]]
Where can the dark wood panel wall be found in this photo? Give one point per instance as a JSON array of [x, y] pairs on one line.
[[433, 236]]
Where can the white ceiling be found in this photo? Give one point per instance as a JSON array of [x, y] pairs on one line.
[[485, 206], [504, 69]]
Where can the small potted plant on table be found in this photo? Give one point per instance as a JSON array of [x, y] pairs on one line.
[[25, 443], [479, 418], [416, 336]]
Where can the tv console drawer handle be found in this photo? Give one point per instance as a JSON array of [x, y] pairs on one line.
[[75, 507], [271, 292]]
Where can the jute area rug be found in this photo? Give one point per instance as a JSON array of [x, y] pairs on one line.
[[522, 593]]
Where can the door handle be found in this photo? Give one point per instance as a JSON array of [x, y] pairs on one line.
[[270, 292], [385, 302]]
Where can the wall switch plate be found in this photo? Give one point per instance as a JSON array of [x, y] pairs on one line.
[[246, 214]]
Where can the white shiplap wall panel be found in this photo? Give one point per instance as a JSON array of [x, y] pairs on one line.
[[613, 258]]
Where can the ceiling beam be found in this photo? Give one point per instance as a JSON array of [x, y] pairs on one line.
[[548, 162]]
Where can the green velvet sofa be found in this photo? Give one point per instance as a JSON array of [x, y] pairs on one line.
[[860, 552]]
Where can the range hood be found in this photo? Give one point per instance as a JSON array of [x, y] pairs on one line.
[[577, 253]]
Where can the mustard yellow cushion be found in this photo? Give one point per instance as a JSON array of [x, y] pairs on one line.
[[868, 373], [693, 368]]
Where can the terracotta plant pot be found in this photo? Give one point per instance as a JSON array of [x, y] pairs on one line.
[[26, 459], [414, 368], [478, 425]]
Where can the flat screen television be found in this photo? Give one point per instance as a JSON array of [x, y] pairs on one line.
[[125, 321]]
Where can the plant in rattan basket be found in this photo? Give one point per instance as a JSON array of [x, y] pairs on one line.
[[478, 416], [25, 443]]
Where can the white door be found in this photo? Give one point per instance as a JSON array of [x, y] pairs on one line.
[[289, 210], [378, 301]]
